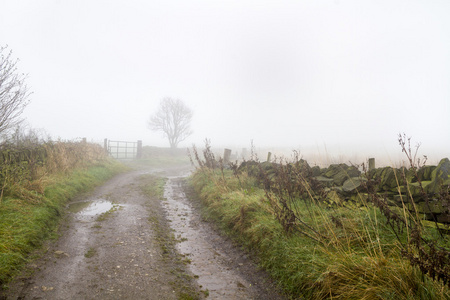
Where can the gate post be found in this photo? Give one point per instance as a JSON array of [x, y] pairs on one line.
[[139, 149], [105, 145]]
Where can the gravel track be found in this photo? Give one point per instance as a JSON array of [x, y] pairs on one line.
[[126, 251]]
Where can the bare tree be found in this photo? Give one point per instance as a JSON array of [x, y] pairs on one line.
[[174, 119], [13, 92]]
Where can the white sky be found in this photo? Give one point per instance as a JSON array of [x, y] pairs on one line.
[[345, 75]]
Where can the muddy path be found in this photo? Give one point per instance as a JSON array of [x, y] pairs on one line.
[[120, 242]]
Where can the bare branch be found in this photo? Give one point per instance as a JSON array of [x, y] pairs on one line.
[[173, 118], [13, 92]]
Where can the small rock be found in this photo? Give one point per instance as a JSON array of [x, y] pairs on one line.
[[60, 253]]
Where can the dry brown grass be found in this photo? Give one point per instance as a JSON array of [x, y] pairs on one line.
[[27, 170]]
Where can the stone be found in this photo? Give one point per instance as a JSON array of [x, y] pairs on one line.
[[326, 182], [434, 187], [415, 189], [334, 169], [402, 174], [352, 184], [388, 178], [346, 174], [442, 171], [315, 171], [59, 253], [303, 165], [424, 173], [341, 172], [435, 207]]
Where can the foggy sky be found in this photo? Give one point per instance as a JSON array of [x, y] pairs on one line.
[[338, 76]]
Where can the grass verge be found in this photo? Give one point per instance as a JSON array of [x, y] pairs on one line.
[[25, 222], [358, 259]]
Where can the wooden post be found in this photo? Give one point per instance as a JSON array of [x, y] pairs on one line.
[[226, 155], [269, 155], [105, 145], [139, 149], [371, 164]]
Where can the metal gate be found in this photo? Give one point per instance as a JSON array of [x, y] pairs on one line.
[[123, 149]]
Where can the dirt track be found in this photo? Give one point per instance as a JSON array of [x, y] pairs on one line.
[[119, 243]]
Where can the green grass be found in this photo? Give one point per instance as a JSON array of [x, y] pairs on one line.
[[358, 256], [107, 214], [164, 161], [26, 223], [160, 157], [154, 186]]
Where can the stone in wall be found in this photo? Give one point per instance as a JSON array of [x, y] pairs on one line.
[[424, 174], [340, 173], [353, 184]]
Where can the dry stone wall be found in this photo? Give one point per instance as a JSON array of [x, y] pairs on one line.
[[343, 184]]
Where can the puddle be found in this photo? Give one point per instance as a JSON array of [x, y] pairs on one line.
[[90, 208], [210, 265]]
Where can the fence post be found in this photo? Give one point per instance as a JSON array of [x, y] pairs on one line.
[[139, 149], [269, 155], [83, 140], [105, 145], [226, 155], [371, 164]]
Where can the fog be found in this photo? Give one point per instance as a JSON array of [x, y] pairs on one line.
[[334, 79]]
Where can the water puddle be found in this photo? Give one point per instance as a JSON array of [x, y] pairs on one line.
[[208, 263], [90, 208]]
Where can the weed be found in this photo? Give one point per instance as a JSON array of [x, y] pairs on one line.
[[106, 215], [205, 292], [90, 253]]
